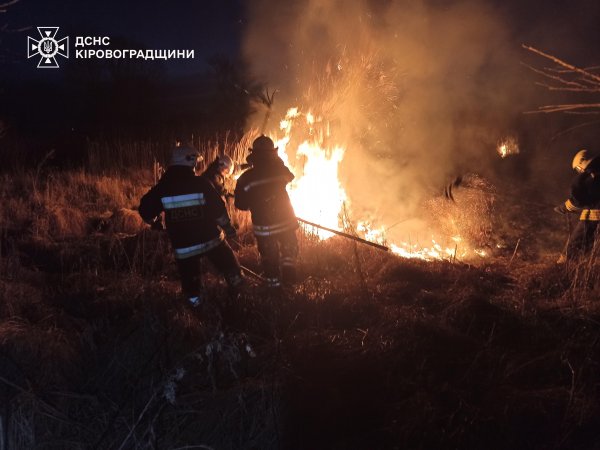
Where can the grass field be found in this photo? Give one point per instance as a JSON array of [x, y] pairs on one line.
[[98, 349]]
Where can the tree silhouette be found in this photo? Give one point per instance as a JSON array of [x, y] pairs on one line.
[[231, 102]]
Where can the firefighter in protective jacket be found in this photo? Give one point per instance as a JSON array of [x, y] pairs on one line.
[[217, 172], [585, 201], [262, 190], [196, 220]]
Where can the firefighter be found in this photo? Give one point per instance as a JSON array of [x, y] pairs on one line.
[[262, 190], [217, 172], [196, 220], [585, 201]]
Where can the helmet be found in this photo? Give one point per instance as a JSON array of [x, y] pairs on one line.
[[263, 144], [185, 155], [225, 162], [581, 160]]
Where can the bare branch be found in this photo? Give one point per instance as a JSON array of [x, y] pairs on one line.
[[587, 69], [583, 113], [562, 63], [565, 108], [3, 6], [554, 77], [568, 89]]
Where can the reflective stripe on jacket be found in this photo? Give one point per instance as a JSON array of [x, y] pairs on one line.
[[585, 192], [269, 230], [194, 211], [198, 249], [590, 214], [262, 190]]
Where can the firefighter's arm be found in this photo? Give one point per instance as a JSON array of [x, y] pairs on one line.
[[241, 197], [575, 202], [219, 212], [568, 206], [225, 223], [218, 183], [150, 206]]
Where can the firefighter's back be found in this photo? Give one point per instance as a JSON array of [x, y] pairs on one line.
[[192, 207], [262, 190]]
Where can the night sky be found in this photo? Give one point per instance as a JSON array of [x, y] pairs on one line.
[[215, 27], [208, 27], [567, 29]]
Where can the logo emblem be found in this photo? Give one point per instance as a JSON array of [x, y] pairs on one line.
[[48, 47]]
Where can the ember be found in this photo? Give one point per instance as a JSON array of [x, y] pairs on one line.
[[508, 146]]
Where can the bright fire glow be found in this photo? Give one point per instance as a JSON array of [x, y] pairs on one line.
[[508, 146], [316, 192], [318, 196]]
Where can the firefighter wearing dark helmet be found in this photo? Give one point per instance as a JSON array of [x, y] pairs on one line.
[[262, 190], [196, 221], [584, 201]]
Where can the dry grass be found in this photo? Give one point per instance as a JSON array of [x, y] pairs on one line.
[[53, 205], [470, 215], [99, 350]]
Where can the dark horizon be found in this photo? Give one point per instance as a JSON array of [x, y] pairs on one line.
[[145, 98], [209, 28]]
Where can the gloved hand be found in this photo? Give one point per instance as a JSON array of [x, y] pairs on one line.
[[230, 231], [561, 209]]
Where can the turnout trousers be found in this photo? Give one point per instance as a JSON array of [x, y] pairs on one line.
[[224, 260], [278, 253]]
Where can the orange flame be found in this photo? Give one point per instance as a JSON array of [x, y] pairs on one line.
[[318, 196]]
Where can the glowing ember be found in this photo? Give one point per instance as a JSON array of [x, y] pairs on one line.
[[369, 233], [508, 146], [426, 253]]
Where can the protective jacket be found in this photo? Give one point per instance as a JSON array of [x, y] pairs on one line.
[[194, 212], [585, 193], [213, 175], [262, 190]]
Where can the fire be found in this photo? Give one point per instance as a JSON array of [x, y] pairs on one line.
[[318, 196], [436, 251], [316, 192], [508, 146]]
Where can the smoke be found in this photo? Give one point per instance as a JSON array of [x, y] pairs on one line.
[[417, 91]]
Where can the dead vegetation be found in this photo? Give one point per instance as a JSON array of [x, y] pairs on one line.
[[98, 350], [567, 77]]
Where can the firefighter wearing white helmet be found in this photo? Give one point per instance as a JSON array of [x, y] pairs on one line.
[[197, 222], [184, 155], [217, 173], [585, 202]]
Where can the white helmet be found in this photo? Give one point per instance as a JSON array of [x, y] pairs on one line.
[[185, 155], [581, 160], [225, 162]]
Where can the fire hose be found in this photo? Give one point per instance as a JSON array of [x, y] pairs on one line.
[[252, 273], [346, 235]]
